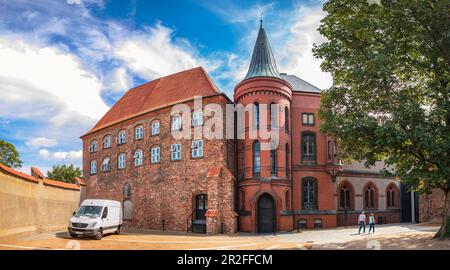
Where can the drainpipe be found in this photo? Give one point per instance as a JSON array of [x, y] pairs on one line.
[[413, 206], [291, 170]]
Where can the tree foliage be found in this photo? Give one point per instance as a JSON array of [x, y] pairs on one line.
[[390, 62], [64, 173], [9, 155]]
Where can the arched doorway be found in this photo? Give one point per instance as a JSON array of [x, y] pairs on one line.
[[266, 219]]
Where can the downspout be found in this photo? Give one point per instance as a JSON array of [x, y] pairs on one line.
[[291, 170]]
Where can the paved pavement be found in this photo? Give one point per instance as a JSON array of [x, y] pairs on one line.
[[152, 240]]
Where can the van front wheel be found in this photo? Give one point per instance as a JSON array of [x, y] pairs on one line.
[[118, 230], [99, 234]]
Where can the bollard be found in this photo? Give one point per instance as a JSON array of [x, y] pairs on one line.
[[164, 224]]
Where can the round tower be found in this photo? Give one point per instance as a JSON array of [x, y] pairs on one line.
[[265, 188]]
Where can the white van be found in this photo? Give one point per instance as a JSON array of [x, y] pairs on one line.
[[96, 218]]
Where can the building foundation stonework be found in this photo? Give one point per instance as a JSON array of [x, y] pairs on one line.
[[225, 185]]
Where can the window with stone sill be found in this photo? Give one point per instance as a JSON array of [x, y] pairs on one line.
[[308, 147], [155, 154]]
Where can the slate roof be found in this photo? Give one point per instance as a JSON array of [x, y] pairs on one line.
[[299, 84]]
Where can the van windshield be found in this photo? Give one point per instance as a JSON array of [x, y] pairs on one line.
[[89, 210]]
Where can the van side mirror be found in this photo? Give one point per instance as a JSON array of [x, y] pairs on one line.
[[74, 213]]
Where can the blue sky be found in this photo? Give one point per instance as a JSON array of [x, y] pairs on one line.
[[65, 62]]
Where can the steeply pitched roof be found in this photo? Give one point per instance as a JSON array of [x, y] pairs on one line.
[[299, 84], [159, 93], [262, 63]]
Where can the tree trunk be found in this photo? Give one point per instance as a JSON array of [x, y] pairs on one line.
[[445, 216]]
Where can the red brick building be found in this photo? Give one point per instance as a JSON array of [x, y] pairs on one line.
[[229, 184]]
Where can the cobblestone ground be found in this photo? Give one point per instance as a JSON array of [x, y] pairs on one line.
[[400, 236]]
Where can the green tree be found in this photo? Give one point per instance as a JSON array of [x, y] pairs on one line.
[[390, 95], [9, 155], [64, 173]]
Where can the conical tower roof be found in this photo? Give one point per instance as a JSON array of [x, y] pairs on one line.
[[263, 63]]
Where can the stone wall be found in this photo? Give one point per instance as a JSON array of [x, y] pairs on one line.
[[30, 204]]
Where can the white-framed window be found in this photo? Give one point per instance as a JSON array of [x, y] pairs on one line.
[[138, 157], [106, 165], [197, 119], [139, 132], [155, 152], [122, 138], [121, 161], [197, 148], [107, 142], [155, 128], [93, 167], [175, 151], [93, 146], [176, 122]]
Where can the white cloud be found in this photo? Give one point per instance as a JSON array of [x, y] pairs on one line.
[[43, 82], [41, 142], [61, 155]]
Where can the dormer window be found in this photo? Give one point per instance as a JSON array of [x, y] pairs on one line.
[[93, 147]]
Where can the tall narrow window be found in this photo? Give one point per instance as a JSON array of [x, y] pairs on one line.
[[288, 169], [200, 207], [309, 147], [273, 162], [127, 204], [197, 118], [121, 161], [175, 151], [155, 154], [286, 200], [243, 161], [93, 146], [106, 167], [370, 196], [392, 193], [345, 197], [155, 128], [309, 193], [286, 118], [93, 167], [273, 115], [256, 115], [139, 132], [330, 150], [138, 157], [256, 159]]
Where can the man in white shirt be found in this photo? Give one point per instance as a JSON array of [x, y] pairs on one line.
[[362, 222]]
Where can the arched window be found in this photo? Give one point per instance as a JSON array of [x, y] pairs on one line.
[[121, 161], [392, 194], [243, 161], [286, 118], [286, 200], [256, 159], [106, 166], [287, 161], [256, 115], [127, 204], [273, 115], [346, 195], [139, 132], [308, 147], [309, 193], [273, 162], [370, 196], [93, 146], [122, 138]]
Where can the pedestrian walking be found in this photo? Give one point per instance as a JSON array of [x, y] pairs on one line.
[[362, 222], [371, 223]]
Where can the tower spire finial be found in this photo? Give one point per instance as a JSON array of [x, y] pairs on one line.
[[261, 20]]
